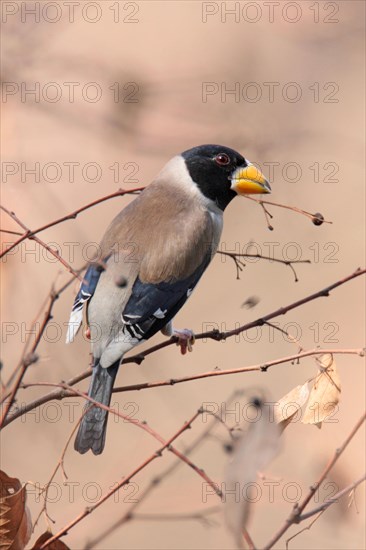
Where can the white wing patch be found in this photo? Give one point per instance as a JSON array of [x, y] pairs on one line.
[[160, 314], [86, 291], [76, 318]]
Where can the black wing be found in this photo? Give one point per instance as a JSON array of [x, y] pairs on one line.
[[151, 306]]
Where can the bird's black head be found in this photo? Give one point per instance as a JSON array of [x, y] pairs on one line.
[[222, 173]]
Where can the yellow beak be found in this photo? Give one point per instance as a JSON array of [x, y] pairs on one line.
[[249, 180]]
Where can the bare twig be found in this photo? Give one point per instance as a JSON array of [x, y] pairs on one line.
[[262, 202], [268, 216], [296, 514], [28, 360], [307, 528], [155, 482], [59, 465], [29, 234], [287, 334], [53, 295], [239, 264], [124, 481], [263, 367], [30, 357], [67, 390], [332, 500], [199, 515], [10, 232], [319, 510], [283, 310], [145, 426], [330, 465]]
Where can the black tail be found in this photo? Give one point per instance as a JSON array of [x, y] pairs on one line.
[[92, 430]]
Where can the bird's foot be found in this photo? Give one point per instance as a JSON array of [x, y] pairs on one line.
[[186, 339]]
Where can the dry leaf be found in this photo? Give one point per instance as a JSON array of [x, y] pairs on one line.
[[15, 522], [325, 393], [252, 452], [290, 404], [56, 545]]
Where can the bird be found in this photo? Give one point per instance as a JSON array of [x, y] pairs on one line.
[[149, 261]]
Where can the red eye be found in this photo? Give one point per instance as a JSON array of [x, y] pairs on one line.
[[222, 159]]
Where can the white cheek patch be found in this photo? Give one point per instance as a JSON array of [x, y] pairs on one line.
[[176, 173]]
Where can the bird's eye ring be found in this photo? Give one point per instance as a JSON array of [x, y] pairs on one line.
[[222, 159]]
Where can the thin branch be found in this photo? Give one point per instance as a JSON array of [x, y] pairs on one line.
[[124, 481], [313, 217], [292, 338], [29, 234], [67, 390], [332, 500], [307, 528], [283, 310], [298, 509], [321, 509], [59, 465], [263, 367], [214, 334], [248, 539], [239, 264], [218, 336], [27, 343], [330, 465], [145, 426], [54, 395], [155, 482], [29, 359], [268, 216], [10, 232], [199, 515], [53, 296]]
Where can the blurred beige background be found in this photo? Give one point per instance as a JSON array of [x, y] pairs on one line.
[[162, 55]]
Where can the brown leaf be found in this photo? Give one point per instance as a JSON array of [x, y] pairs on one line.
[[56, 545], [252, 452], [325, 392], [15, 522], [290, 404]]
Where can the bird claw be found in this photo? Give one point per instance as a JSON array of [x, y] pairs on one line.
[[186, 339]]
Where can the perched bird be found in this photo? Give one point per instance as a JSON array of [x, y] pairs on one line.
[[151, 258]]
